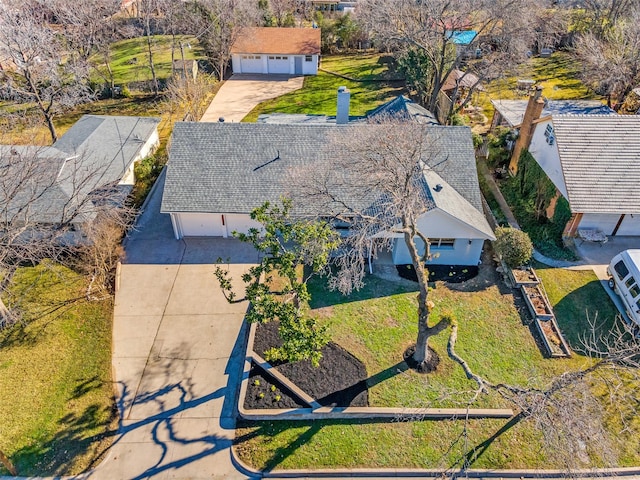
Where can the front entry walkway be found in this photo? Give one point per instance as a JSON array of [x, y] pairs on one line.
[[241, 93]]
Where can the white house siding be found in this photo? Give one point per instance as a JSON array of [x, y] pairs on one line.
[[462, 253], [150, 145], [436, 224], [547, 155], [310, 67], [630, 225], [602, 221]]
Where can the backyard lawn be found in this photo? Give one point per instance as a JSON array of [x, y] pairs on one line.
[[379, 322], [373, 83], [55, 375], [558, 75], [130, 57]]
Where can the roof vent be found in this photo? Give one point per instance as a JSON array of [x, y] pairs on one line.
[[438, 187], [221, 120]]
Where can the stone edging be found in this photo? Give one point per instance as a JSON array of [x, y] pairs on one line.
[[317, 412]]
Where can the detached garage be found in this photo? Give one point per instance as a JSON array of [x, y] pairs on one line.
[[271, 50]]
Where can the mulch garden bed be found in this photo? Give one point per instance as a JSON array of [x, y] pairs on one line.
[[444, 273], [339, 381]]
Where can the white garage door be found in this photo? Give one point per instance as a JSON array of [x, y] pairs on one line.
[[630, 225], [251, 64], [200, 224], [240, 223], [278, 64], [601, 221]]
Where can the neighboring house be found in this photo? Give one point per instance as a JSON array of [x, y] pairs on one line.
[[509, 113], [274, 50], [594, 162], [219, 172], [70, 178], [463, 39]]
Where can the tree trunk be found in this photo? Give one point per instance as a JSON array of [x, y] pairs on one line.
[[8, 464], [152, 66], [421, 354]]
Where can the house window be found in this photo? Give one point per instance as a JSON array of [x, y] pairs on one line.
[[443, 243], [308, 58]]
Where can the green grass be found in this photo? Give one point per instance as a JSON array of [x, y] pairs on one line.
[[318, 95], [376, 325], [558, 75], [130, 58], [55, 375], [577, 295]]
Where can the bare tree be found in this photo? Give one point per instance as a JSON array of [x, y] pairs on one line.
[[38, 71], [432, 31], [146, 10], [189, 96], [283, 12], [611, 61], [569, 410], [380, 194], [46, 202], [219, 24], [598, 16], [89, 27]]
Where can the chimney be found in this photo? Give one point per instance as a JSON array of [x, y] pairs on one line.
[[527, 127], [344, 96]]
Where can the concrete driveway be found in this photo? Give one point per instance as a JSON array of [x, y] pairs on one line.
[[241, 93], [177, 354]]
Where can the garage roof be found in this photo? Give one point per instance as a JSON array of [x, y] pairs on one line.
[[600, 158], [277, 40]]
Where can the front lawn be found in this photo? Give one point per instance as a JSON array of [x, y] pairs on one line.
[[55, 375], [374, 83], [376, 325]]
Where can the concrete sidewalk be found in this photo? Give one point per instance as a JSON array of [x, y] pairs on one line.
[[241, 93]]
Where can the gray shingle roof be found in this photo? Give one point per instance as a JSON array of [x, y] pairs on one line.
[[96, 151], [513, 110], [404, 107], [600, 158], [213, 167]]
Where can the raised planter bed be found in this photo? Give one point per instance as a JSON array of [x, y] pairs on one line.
[[537, 302], [552, 338], [545, 321], [523, 276]]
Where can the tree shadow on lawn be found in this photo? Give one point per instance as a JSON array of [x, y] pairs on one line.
[[275, 428], [589, 303], [374, 287]]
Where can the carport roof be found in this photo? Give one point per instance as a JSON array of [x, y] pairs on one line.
[[277, 40]]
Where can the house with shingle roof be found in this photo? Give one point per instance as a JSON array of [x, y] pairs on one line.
[[68, 178], [277, 50], [594, 162], [219, 172]]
